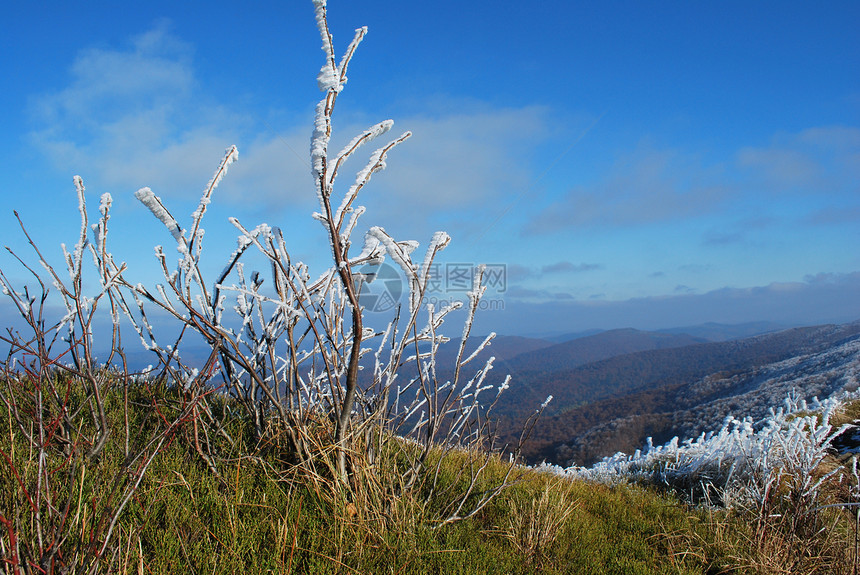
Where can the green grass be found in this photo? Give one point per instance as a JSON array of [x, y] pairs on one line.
[[264, 516], [184, 518]]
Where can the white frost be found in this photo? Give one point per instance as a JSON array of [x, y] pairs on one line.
[[153, 202]]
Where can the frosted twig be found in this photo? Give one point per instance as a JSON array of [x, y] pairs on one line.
[[230, 156], [153, 202]]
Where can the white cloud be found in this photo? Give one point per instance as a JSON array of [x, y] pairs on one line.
[[819, 161], [650, 185], [737, 232], [151, 74], [137, 117], [274, 171], [647, 185], [132, 117], [465, 159], [783, 167], [569, 267]]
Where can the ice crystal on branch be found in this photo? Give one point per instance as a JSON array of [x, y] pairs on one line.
[[153, 202]]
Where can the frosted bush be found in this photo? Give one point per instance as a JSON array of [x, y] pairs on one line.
[[739, 464], [288, 349]]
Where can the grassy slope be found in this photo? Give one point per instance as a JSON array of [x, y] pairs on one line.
[[260, 526], [264, 518]]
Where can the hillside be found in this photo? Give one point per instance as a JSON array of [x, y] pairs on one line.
[[571, 354], [270, 516], [525, 358], [503, 347], [688, 410], [645, 388], [713, 331]]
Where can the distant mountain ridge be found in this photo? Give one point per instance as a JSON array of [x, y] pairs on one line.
[[712, 331], [603, 345], [593, 345]]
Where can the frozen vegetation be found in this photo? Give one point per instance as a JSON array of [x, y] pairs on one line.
[[285, 351], [794, 436], [825, 365], [740, 461]]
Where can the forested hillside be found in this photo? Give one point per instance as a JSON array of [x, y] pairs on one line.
[[614, 404], [571, 354]]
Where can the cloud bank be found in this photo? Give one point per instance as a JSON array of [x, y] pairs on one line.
[[818, 299]]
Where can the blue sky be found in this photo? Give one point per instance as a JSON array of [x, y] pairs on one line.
[[629, 163]]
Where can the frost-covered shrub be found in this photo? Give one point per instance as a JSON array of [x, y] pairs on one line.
[[287, 349], [742, 464]]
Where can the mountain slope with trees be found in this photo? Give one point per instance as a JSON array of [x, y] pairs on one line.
[[614, 404]]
